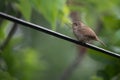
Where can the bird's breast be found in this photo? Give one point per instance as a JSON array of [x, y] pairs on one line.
[[77, 33]]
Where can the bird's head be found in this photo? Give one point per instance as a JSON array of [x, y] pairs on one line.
[[78, 24]]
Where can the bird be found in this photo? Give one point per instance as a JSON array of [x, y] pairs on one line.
[[84, 33]]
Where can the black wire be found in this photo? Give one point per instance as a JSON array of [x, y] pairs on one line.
[[56, 34]]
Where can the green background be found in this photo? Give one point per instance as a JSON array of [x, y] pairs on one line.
[[33, 55]]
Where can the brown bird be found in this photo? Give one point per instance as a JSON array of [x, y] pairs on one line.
[[84, 33]]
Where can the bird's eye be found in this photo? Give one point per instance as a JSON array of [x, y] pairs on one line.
[[75, 24]]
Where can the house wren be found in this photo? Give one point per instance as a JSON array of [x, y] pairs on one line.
[[84, 33]]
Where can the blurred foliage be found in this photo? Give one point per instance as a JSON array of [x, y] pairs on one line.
[[25, 8], [32, 55], [56, 8]]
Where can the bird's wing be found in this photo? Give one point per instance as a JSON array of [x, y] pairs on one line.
[[88, 32]]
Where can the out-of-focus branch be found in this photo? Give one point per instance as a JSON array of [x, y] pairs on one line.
[[10, 35], [68, 72], [81, 50], [8, 38], [74, 16], [3, 65]]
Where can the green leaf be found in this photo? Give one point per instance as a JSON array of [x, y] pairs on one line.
[[28, 64], [25, 8], [111, 70], [111, 22], [50, 9], [5, 76], [101, 57], [3, 29]]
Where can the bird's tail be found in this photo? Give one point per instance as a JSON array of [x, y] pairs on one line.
[[101, 42]]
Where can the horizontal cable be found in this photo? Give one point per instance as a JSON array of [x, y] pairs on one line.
[[56, 34]]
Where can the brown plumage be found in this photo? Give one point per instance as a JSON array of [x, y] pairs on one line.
[[84, 33]]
